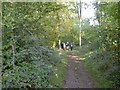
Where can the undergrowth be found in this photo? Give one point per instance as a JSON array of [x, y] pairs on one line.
[[101, 65], [58, 77]]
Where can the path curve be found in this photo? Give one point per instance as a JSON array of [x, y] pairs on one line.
[[77, 76]]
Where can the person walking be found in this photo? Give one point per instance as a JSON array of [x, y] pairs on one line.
[[67, 46], [64, 46], [71, 47]]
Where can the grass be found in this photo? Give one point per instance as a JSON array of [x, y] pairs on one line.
[[91, 66], [97, 77], [60, 72], [57, 80]]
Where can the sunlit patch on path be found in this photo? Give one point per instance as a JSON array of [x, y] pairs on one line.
[[77, 76]]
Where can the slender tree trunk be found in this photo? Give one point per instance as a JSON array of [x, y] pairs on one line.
[[59, 44], [80, 23], [80, 40], [80, 20]]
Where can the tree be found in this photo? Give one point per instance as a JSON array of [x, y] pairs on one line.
[[102, 41], [79, 7], [29, 30]]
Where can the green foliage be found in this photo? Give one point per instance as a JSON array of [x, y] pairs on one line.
[[28, 34], [58, 78], [32, 67], [102, 41], [31, 29]]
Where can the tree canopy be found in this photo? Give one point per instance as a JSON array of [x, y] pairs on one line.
[[32, 30]]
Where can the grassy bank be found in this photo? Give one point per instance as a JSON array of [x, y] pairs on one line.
[[59, 76], [92, 65]]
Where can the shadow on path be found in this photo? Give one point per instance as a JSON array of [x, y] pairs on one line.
[[77, 76]]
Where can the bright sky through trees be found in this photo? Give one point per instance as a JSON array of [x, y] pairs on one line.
[[89, 12]]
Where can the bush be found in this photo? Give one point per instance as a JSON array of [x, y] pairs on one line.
[[32, 68]]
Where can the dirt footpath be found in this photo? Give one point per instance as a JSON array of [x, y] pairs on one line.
[[77, 76]]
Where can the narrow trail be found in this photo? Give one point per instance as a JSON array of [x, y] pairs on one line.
[[77, 76]]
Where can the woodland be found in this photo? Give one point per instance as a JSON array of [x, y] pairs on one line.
[[32, 32]]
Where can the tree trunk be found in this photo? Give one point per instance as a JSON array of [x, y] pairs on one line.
[[80, 20]]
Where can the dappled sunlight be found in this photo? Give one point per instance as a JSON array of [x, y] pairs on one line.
[[76, 58], [60, 53], [90, 52], [40, 40], [56, 75], [64, 62], [82, 58]]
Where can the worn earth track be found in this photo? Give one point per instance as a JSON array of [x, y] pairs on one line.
[[77, 76]]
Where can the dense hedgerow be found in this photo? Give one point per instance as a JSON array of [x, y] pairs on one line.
[[33, 71], [27, 36]]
